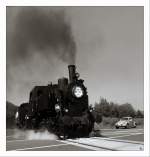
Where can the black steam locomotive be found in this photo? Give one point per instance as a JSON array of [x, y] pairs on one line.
[[62, 108]]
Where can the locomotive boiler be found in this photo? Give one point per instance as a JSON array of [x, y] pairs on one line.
[[61, 108]]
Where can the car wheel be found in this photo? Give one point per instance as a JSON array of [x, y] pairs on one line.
[[135, 125], [127, 126], [117, 127]]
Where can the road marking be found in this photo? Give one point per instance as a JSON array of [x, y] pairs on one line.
[[127, 130], [120, 129], [48, 146], [17, 140], [126, 135], [119, 140], [119, 132], [14, 136], [84, 146]]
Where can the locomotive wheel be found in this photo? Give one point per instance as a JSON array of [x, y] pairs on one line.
[[63, 137], [62, 134]]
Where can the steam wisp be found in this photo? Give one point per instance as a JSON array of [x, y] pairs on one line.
[[34, 135]]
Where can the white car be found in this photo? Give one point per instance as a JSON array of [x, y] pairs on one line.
[[126, 122]]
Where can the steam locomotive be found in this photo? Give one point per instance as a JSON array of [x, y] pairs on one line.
[[62, 108]]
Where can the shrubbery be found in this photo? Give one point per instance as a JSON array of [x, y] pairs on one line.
[[10, 114]]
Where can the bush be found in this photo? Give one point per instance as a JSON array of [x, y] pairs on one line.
[[97, 116], [139, 114], [10, 114], [109, 122], [139, 121]]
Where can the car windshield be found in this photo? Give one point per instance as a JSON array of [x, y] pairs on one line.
[[124, 118]]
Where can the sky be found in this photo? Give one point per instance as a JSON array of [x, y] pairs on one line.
[[105, 43]]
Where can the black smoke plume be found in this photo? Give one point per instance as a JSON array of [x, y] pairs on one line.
[[40, 44], [48, 32]]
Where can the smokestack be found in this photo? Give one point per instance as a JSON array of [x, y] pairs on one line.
[[72, 73]]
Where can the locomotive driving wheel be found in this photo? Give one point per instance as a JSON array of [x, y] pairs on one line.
[[62, 133]]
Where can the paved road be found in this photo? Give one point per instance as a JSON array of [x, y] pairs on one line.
[[17, 141], [124, 134]]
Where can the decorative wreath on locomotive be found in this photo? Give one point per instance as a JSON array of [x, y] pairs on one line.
[[62, 108]]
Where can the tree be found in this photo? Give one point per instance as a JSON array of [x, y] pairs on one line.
[[126, 110], [103, 107], [97, 116], [110, 109], [139, 114], [114, 110]]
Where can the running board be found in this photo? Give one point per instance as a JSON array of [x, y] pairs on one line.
[[109, 144]]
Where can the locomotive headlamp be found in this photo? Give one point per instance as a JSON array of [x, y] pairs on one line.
[[66, 110], [77, 91], [57, 108]]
